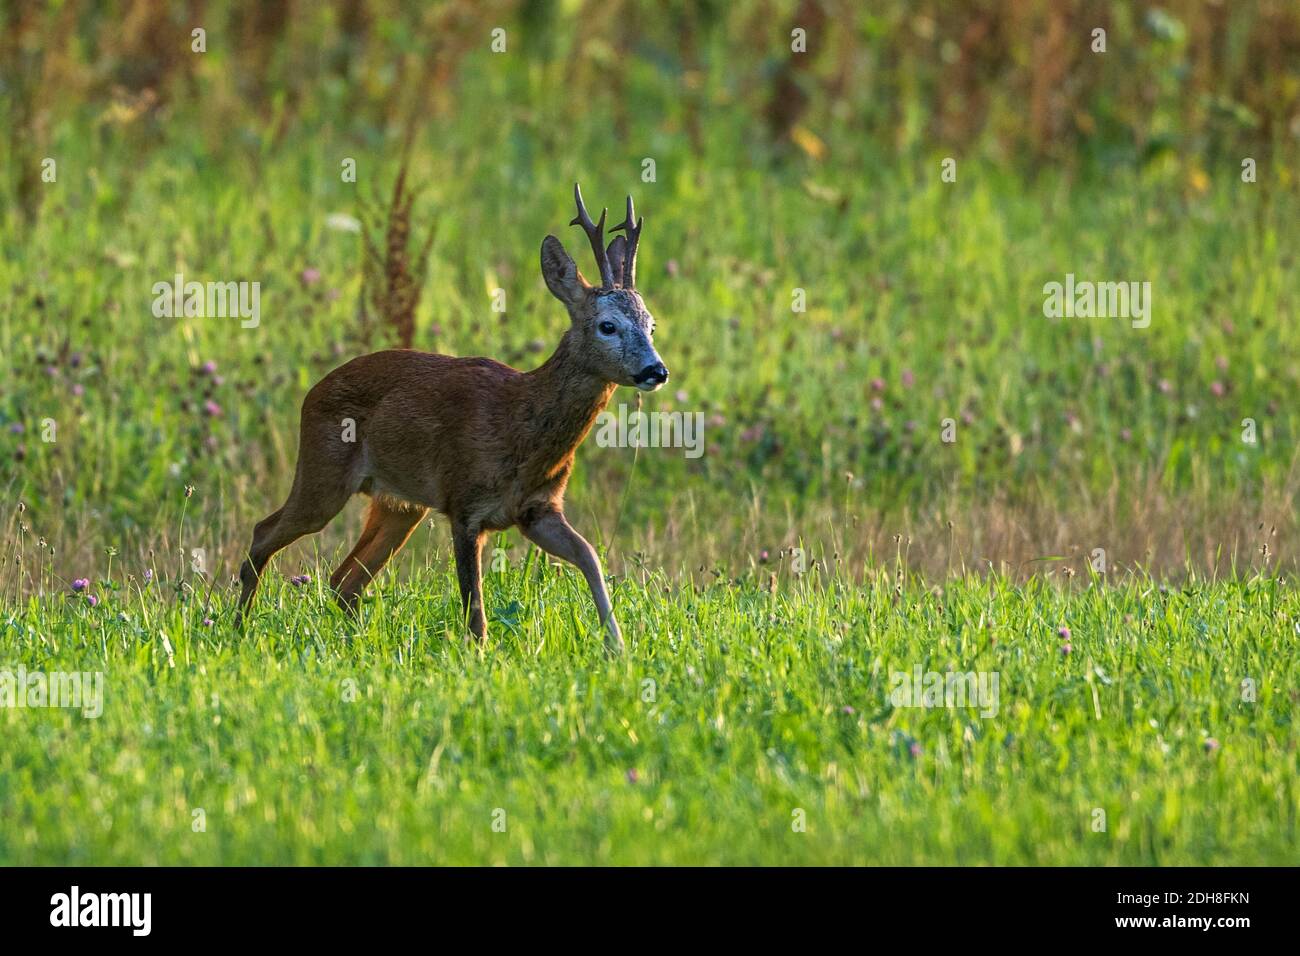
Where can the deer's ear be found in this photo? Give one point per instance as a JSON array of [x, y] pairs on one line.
[[561, 273]]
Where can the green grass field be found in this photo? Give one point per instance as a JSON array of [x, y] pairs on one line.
[[743, 726], [865, 340], [924, 304]]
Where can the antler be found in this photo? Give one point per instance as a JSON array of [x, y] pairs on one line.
[[631, 225], [596, 235]]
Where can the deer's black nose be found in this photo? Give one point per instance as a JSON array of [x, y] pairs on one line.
[[654, 374]]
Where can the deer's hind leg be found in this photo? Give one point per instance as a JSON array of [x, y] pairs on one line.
[[279, 530], [389, 524], [320, 490]]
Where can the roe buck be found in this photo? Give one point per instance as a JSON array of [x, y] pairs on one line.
[[485, 444]]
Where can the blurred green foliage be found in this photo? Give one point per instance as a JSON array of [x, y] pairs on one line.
[[1014, 80], [773, 171]]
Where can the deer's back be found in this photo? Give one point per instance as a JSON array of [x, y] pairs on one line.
[[432, 429], [414, 381]]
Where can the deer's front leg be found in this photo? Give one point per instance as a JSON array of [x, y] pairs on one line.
[[553, 534], [468, 544]]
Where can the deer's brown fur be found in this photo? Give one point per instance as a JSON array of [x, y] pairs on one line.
[[487, 445]]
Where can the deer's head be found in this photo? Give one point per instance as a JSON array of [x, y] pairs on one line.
[[611, 325]]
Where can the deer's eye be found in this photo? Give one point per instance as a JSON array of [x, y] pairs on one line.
[[606, 328]]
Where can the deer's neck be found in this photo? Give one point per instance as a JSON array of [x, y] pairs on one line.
[[563, 401]]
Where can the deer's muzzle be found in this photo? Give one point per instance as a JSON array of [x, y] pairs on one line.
[[651, 377]]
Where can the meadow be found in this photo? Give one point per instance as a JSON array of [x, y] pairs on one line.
[[908, 463], [922, 392], [743, 726]]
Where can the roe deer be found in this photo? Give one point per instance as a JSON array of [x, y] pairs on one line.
[[485, 444]]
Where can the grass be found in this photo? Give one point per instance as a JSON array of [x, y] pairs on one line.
[[738, 705], [924, 303], [749, 692]]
